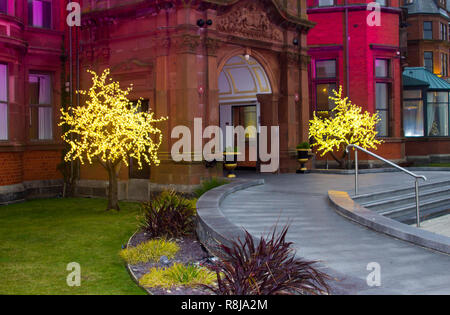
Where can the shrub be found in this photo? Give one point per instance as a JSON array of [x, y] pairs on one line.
[[168, 215], [178, 275], [150, 251], [268, 268], [304, 146], [208, 185]]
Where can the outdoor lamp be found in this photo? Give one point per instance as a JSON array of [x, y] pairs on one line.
[[200, 23], [295, 41]]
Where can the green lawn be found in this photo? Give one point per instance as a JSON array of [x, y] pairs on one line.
[[39, 238]]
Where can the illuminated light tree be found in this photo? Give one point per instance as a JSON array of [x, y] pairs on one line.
[[110, 129], [347, 124]]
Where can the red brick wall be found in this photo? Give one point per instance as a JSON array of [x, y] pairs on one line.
[[10, 168], [41, 165]]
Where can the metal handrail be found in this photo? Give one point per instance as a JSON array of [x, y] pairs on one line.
[[417, 177]]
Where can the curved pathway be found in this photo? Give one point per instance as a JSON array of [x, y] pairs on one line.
[[319, 233]]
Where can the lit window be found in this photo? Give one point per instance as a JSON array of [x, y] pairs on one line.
[[40, 13], [413, 118], [41, 111], [3, 102], [325, 83], [437, 114]]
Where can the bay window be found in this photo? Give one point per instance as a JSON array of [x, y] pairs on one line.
[[3, 102], [40, 13], [41, 110]]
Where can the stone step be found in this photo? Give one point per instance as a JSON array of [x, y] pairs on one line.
[[425, 215], [389, 194], [432, 206], [407, 199]]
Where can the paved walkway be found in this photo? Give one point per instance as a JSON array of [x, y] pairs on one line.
[[320, 234], [439, 225]]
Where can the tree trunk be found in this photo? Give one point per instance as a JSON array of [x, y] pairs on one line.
[[113, 199], [340, 161]]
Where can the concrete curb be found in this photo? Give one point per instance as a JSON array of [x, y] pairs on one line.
[[213, 228], [351, 210]]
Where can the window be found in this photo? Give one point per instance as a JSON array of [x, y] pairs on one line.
[[3, 102], [325, 83], [427, 30], [437, 114], [383, 3], [3, 6], [413, 118], [40, 13], [326, 3], [134, 171], [444, 32], [444, 65], [428, 60], [382, 77], [41, 111]]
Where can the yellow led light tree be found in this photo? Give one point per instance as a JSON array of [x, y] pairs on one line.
[[348, 124], [110, 129]]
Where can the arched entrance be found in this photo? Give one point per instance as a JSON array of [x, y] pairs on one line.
[[242, 78]]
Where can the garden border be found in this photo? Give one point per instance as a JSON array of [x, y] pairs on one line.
[[348, 208], [130, 270]]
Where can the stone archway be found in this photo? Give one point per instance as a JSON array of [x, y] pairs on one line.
[[241, 79]]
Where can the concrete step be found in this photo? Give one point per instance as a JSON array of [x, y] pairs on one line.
[[427, 207], [407, 199], [390, 194], [424, 215]]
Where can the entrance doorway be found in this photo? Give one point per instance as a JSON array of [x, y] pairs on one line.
[[240, 81]]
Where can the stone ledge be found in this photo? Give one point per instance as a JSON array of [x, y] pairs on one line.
[[351, 210], [213, 228]]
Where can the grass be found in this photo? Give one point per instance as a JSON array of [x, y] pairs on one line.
[[208, 185], [38, 239], [150, 251], [178, 275], [439, 165]]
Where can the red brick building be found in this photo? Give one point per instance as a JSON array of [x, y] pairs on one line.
[[31, 70], [199, 59], [426, 105], [363, 58]]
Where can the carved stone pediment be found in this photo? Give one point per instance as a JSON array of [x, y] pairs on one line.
[[249, 20]]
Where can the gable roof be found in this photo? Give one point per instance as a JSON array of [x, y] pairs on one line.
[[419, 76]]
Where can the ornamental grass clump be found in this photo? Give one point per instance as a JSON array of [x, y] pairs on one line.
[[266, 268], [178, 275], [150, 251], [168, 215]]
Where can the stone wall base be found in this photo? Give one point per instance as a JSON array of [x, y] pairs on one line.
[[132, 190], [31, 190]]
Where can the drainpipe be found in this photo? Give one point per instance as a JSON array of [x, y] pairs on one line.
[[347, 56], [71, 90]]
